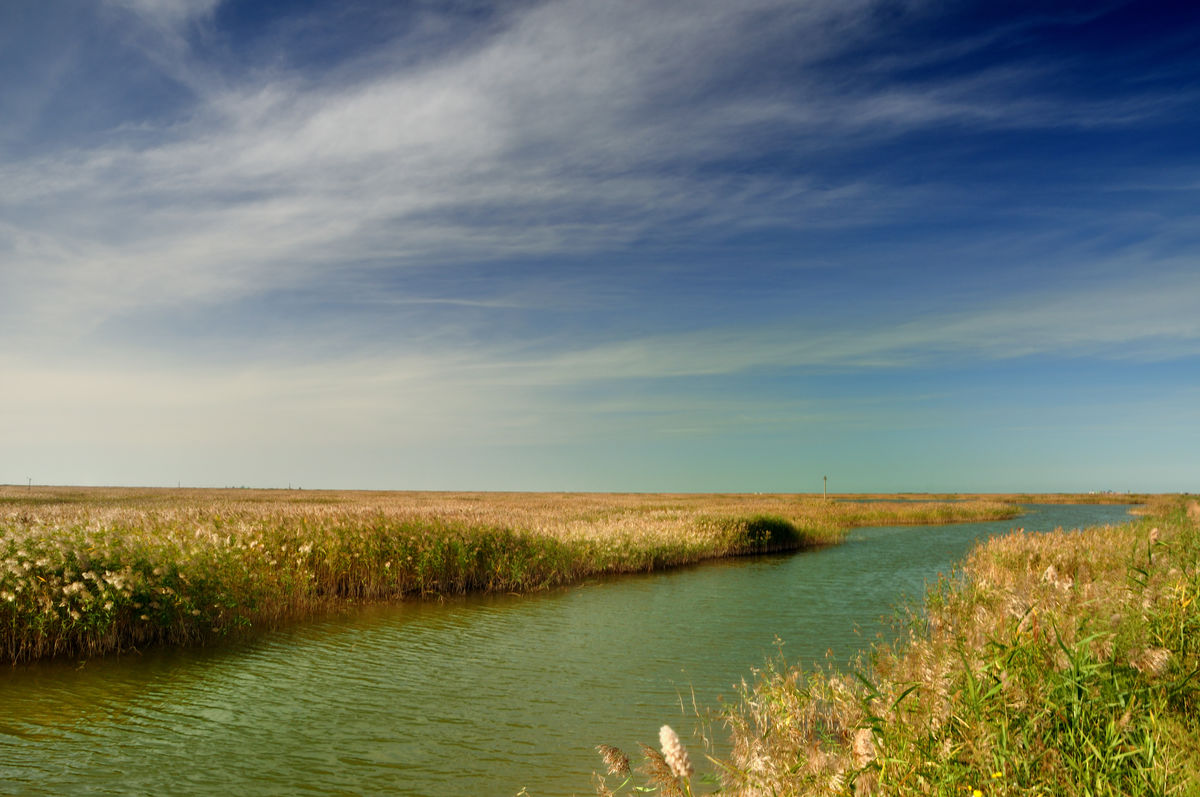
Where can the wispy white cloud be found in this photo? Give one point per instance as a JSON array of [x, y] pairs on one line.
[[556, 133], [1139, 318], [216, 421], [573, 128], [498, 392], [167, 14]]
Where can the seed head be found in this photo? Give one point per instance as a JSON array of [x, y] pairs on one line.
[[616, 761], [1152, 661], [674, 753], [659, 772], [864, 747]]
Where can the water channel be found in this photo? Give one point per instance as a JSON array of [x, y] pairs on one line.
[[472, 696]]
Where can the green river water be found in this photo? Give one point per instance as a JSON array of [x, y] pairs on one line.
[[482, 695]]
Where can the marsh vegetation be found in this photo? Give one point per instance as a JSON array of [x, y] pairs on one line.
[[92, 571], [1064, 663], [434, 696]]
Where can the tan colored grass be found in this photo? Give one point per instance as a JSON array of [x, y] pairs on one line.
[[1024, 610], [93, 570], [565, 516]]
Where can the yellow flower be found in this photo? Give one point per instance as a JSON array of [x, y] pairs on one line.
[[977, 793]]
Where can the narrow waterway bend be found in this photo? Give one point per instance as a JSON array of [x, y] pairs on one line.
[[475, 695]]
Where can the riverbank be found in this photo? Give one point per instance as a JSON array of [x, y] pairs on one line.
[[90, 571], [1060, 663]]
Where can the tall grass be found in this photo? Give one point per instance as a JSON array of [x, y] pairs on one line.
[[86, 572], [1065, 663]]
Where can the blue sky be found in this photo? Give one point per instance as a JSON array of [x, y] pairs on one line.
[[629, 245]]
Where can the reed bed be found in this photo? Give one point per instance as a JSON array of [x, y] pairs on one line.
[[1065, 663], [85, 572]]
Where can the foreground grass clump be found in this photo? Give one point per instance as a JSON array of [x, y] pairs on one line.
[[1052, 664], [91, 571]]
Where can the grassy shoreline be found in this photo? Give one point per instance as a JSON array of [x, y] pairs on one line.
[[1065, 663], [90, 571]]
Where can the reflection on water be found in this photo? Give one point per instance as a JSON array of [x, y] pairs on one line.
[[479, 695]]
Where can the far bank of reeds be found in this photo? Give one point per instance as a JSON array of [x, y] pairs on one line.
[[85, 572], [1065, 663]]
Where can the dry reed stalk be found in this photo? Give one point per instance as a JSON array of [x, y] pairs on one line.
[[600, 786]]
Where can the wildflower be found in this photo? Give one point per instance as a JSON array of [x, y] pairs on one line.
[[674, 753]]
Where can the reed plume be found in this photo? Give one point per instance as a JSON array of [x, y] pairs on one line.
[[674, 753], [659, 772], [1151, 661], [616, 761], [864, 747]]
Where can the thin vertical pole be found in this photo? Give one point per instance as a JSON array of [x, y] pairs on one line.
[[825, 488]]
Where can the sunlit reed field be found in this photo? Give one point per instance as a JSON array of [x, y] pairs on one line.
[[1065, 663], [87, 571]]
